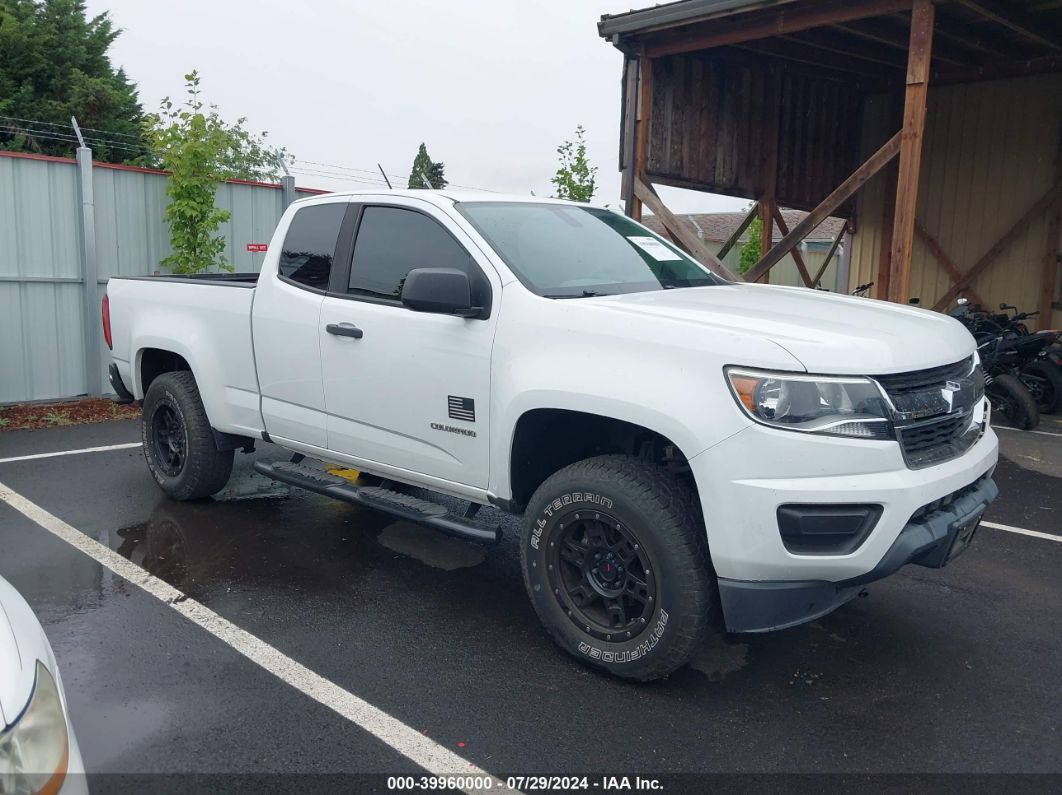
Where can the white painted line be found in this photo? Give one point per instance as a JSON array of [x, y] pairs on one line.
[[128, 446], [1019, 430], [428, 754], [1021, 531]]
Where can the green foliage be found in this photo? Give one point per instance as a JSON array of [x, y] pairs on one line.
[[200, 150], [750, 251], [574, 179], [426, 170], [54, 65]]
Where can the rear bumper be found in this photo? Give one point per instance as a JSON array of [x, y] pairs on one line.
[[927, 541]]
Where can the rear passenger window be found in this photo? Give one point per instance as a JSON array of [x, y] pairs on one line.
[[392, 242], [310, 244]]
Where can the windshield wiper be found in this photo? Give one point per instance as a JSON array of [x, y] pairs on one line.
[[583, 294]]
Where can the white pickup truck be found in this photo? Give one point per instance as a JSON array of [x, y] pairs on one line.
[[689, 455]]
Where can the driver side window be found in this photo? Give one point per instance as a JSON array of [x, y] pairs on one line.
[[391, 242]]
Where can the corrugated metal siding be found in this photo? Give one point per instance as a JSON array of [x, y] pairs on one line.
[[41, 328], [989, 154], [708, 121]]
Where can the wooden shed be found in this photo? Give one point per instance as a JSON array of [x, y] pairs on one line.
[[933, 126]]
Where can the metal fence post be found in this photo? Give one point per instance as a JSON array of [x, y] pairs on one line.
[[89, 272], [287, 188]]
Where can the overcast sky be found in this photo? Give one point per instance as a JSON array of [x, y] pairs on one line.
[[492, 87]]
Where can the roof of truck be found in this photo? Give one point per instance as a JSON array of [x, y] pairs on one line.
[[445, 196]]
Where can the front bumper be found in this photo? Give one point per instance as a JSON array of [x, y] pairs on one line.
[[743, 480]]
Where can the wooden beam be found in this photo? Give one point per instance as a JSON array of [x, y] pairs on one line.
[[827, 206], [914, 122], [1015, 20], [829, 255], [735, 236], [806, 54], [766, 205], [1052, 252], [768, 22], [682, 233], [830, 41], [1034, 212], [945, 262], [998, 70], [900, 40], [798, 258], [641, 135]]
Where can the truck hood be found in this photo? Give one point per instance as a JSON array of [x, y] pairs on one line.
[[828, 333]]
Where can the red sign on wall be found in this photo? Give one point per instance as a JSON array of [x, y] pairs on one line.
[[257, 246]]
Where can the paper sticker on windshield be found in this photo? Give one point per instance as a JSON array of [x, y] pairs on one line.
[[654, 248]]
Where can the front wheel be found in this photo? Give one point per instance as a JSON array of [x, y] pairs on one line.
[[616, 564], [179, 444], [1012, 400], [1044, 381]]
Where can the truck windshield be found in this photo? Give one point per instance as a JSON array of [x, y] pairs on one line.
[[566, 251]]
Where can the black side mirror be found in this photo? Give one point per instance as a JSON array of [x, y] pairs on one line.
[[445, 291]]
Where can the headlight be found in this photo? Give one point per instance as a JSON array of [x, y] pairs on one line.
[[851, 407], [34, 752]]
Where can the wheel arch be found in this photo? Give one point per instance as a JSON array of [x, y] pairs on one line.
[[545, 440]]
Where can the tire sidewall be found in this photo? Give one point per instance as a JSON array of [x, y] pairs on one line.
[[544, 516], [160, 394]]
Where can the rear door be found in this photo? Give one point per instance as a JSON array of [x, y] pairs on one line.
[[412, 389], [285, 323]]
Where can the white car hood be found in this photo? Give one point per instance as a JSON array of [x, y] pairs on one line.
[[828, 333], [22, 644]]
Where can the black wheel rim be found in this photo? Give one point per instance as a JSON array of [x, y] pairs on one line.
[[602, 576], [170, 440]]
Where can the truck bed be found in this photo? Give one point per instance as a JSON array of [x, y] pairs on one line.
[[209, 328]]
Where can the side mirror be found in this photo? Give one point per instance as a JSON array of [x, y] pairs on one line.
[[444, 291]]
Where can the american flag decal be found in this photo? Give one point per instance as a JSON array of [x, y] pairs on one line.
[[462, 408]]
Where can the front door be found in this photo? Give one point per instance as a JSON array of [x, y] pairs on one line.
[[402, 388]]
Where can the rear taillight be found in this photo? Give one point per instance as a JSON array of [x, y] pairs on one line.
[[107, 321]]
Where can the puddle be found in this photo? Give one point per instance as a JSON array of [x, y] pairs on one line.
[[717, 659], [431, 547]]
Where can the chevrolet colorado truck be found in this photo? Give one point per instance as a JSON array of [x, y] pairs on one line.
[[689, 454]]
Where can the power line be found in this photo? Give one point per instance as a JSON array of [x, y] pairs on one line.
[[339, 168], [66, 127]]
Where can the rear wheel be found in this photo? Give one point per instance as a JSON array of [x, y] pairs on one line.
[[1012, 400], [616, 564], [179, 444], [1044, 382]]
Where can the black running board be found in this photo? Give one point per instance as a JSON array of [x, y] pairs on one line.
[[404, 506]]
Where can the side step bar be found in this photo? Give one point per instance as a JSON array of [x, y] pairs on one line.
[[404, 506]]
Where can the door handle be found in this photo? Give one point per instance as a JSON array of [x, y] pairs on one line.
[[344, 330]]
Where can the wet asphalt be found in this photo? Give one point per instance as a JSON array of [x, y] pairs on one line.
[[952, 670]]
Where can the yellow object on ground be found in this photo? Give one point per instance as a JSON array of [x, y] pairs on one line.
[[342, 472]]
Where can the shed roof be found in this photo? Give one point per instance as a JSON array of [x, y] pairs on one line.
[[679, 12], [718, 227]]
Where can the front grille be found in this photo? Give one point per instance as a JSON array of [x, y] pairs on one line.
[[919, 380], [933, 411]]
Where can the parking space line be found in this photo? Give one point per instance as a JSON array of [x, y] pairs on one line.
[[1021, 531], [127, 446], [410, 743], [1019, 430]]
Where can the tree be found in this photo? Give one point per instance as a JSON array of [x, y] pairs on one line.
[[200, 150], [750, 250], [574, 179], [54, 65], [426, 169]]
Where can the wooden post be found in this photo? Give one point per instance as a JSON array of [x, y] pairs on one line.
[[641, 135], [630, 116], [914, 121], [1053, 253], [827, 206], [945, 262]]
